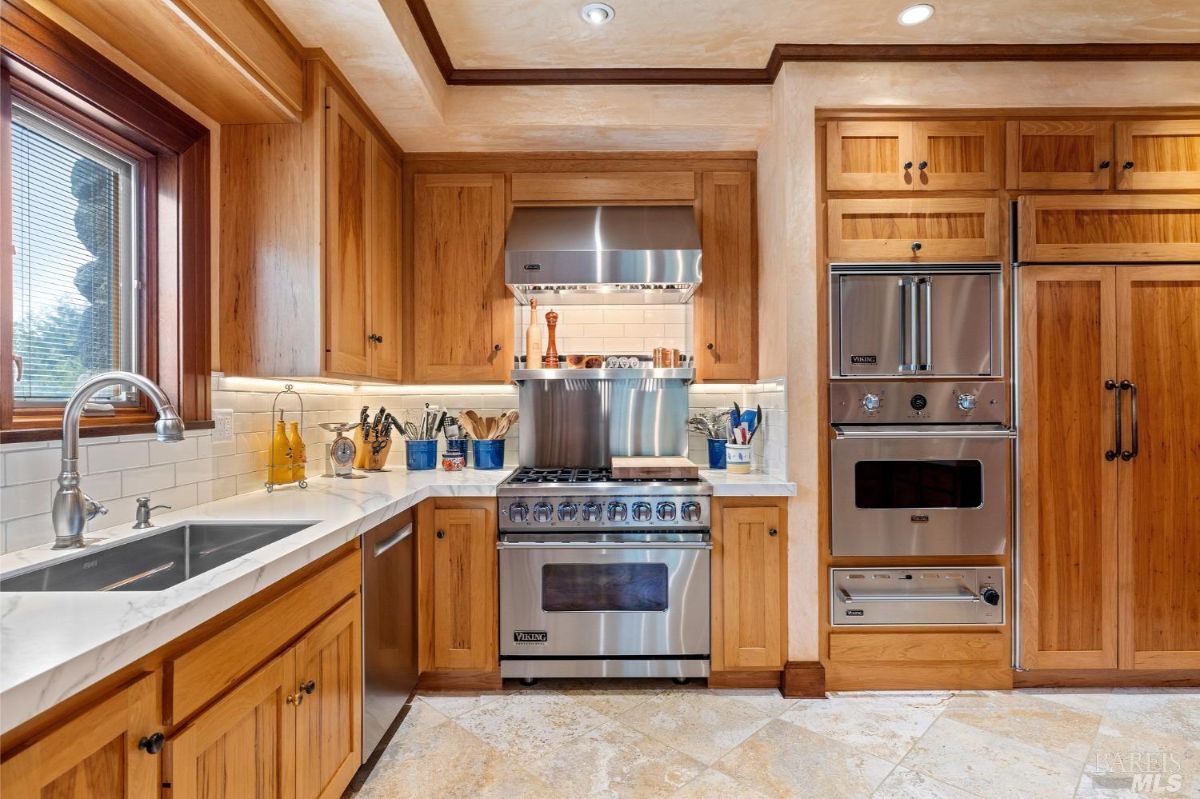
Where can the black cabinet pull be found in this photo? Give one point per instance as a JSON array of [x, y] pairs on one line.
[[152, 744], [711, 346], [1127, 165], [441, 533], [495, 348], [1111, 454], [923, 165], [916, 246], [309, 687], [907, 165], [1105, 164], [1131, 453], [772, 532]]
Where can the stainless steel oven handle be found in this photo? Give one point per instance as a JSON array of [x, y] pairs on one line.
[[845, 432], [926, 364], [850, 599], [602, 545], [908, 326]]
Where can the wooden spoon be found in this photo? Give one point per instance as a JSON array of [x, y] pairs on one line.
[[474, 423]]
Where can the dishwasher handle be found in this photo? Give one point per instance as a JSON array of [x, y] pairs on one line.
[[391, 541]]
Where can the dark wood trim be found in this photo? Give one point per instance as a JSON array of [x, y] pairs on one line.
[[1106, 678], [804, 678], [460, 680], [745, 679], [780, 54]]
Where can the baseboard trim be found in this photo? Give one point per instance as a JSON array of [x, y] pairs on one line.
[[745, 679], [804, 679], [464, 680], [1106, 678]]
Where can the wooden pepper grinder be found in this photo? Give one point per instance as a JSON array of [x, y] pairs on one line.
[[551, 359], [533, 337]]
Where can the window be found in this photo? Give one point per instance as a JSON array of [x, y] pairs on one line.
[[75, 287]]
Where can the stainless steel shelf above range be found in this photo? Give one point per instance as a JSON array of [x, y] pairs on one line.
[[688, 374]]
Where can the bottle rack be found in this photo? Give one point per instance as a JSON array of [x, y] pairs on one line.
[[271, 484]]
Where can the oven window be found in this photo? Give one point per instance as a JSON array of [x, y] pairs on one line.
[[604, 586], [918, 484]]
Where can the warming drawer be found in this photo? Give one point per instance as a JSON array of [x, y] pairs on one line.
[[926, 596]]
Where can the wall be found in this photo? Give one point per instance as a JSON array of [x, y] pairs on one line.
[[790, 252], [612, 329]]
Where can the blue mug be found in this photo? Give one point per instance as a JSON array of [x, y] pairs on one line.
[[489, 453], [716, 453], [420, 454]]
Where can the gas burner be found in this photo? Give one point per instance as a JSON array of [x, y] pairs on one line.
[[531, 476]]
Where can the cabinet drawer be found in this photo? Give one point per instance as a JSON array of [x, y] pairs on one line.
[[922, 229], [917, 647], [1110, 228], [201, 674]]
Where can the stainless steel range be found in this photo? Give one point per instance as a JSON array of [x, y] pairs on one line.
[[602, 577]]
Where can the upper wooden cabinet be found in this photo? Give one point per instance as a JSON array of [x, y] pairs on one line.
[[1158, 154], [603, 187], [1112, 228], [749, 578], [955, 155], [1063, 155], [462, 312], [725, 307], [95, 753], [966, 228]]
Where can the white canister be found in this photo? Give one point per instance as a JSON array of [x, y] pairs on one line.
[[737, 458]]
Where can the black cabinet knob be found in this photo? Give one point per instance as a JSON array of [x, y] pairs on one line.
[[907, 165], [309, 687], [152, 744], [441, 533], [1105, 164], [772, 532], [923, 165], [1127, 165], [990, 595], [916, 246], [711, 346]]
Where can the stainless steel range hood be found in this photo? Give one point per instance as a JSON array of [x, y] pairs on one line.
[[602, 254]]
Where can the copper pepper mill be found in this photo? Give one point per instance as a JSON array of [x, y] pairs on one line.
[[550, 361]]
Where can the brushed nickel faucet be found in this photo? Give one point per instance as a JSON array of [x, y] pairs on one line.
[[73, 509]]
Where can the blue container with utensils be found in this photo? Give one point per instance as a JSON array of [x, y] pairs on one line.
[[420, 454], [458, 445], [489, 453], [716, 453]]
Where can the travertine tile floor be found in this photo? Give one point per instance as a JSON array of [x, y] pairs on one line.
[[563, 739]]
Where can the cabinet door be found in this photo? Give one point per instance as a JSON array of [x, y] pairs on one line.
[[926, 229], [958, 156], [463, 322], [347, 144], [329, 716], [1109, 228], [95, 754], [1159, 496], [749, 574], [869, 156], [384, 277], [459, 547], [725, 304], [243, 746], [1063, 155], [1068, 487], [1158, 154]]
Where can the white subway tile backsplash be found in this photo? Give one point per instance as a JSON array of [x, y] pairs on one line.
[[172, 451], [28, 531], [196, 471], [114, 457], [212, 490], [144, 480], [25, 499], [34, 465]]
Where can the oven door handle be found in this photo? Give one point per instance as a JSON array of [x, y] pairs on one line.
[[603, 545], [841, 432], [908, 325], [850, 599]]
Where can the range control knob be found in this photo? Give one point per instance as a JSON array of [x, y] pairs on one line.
[[567, 511], [918, 402], [542, 512], [666, 511], [617, 511], [641, 511], [990, 595], [966, 402], [871, 403], [592, 511], [690, 511], [518, 512]]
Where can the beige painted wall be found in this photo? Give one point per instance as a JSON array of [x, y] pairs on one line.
[[787, 181]]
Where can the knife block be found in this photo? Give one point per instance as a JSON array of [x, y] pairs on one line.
[[376, 461]]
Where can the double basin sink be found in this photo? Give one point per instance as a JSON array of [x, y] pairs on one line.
[[153, 562]]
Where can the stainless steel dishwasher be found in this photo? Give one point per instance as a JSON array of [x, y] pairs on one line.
[[389, 626]]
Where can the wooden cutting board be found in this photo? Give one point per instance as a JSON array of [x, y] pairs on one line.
[[664, 467]]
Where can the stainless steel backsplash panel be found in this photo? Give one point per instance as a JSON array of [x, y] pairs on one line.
[[585, 422]]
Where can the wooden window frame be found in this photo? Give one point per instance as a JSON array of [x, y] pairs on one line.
[[47, 67]]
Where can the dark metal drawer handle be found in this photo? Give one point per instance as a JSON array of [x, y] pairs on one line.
[[1109, 455], [152, 744], [1131, 453]]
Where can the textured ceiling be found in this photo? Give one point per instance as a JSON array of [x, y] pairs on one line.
[[722, 33]]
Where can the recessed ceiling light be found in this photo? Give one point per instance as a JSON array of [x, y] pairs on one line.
[[915, 15], [597, 13]]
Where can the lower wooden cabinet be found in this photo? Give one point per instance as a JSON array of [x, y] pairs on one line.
[[95, 754], [459, 621], [749, 584]]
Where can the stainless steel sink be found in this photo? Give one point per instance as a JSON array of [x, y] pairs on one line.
[[152, 562]]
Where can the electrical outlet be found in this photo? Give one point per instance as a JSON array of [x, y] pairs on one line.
[[223, 432]]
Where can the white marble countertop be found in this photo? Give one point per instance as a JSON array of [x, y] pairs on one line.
[[54, 644]]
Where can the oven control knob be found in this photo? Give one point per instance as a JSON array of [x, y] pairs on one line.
[[518, 512], [641, 511], [666, 511], [990, 595], [966, 402], [592, 511], [567, 511], [871, 403], [690, 511], [616, 511], [542, 512]]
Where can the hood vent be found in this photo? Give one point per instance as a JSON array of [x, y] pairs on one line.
[[603, 254]]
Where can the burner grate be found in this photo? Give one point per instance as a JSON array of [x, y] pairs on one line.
[[532, 476]]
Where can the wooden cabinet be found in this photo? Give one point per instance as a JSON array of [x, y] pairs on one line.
[[1112, 228], [749, 584], [456, 545], [386, 258], [1161, 154], [604, 187], [1060, 155], [462, 312], [1110, 523], [95, 753], [726, 304], [966, 228], [954, 155]]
